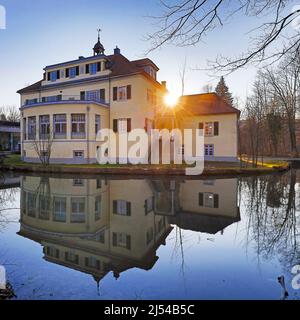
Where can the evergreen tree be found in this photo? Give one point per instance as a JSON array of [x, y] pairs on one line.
[[223, 91]]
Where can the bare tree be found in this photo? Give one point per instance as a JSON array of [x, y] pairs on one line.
[[187, 22], [284, 83], [42, 144], [182, 74], [10, 113]]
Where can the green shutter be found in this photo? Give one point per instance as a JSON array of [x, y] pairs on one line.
[[115, 93], [128, 209], [145, 206], [98, 66], [86, 261], [128, 125], [201, 126], [115, 205], [128, 242], [216, 128], [102, 94], [128, 92], [216, 200], [67, 72], [114, 239], [115, 125], [77, 70], [87, 68], [201, 199]]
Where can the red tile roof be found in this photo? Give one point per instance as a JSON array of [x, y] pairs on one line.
[[205, 104], [120, 66]]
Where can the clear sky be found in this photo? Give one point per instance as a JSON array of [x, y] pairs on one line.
[[44, 32]]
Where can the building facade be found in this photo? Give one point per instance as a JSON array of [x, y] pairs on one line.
[[77, 98], [9, 136]]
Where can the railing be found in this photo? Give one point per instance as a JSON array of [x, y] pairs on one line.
[[63, 98]]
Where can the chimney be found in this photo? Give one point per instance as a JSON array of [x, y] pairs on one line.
[[117, 50], [164, 84]]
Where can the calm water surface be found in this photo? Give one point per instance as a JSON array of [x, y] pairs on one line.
[[104, 237]]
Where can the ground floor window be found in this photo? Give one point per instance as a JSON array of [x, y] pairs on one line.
[[78, 210], [60, 126], [78, 154], [44, 126], [31, 128], [209, 150], [59, 209], [78, 125]]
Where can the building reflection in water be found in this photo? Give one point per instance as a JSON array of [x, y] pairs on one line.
[[102, 225]]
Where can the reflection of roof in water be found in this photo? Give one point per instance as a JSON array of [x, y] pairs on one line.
[[202, 222]]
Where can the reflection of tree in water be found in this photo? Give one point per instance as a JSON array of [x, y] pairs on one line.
[[273, 219]]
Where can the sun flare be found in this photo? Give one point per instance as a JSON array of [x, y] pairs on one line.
[[171, 99]]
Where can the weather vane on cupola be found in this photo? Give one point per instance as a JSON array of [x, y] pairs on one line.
[[98, 47]]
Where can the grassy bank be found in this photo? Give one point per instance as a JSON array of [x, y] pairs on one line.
[[13, 162]]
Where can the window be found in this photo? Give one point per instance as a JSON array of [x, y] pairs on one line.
[[53, 75], [72, 72], [149, 205], [31, 101], [149, 235], [60, 126], [208, 200], [208, 129], [52, 252], [59, 209], [121, 239], [122, 125], [92, 262], [78, 182], [97, 123], [209, 150], [31, 204], [122, 93], [70, 256], [78, 210], [78, 125], [93, 95], [97, 208], [24, 129], [44, 126], [31, 128], [93, 68], [151, 97], [78, 154], [44, 206], [98, 183], [52, 98], [122, 207]]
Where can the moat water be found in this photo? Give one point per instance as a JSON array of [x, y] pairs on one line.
[[103, 237]]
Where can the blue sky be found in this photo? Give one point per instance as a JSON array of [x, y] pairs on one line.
[[43, 32]]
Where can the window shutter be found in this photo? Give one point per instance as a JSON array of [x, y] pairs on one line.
[[146, 124], [128, 125], [48, 76], [86, 261], [216, 200], [67, 72], [145, 206], [128, 92], [59, 97], [98, 66], [87, 68], [57, 253], [128, 208], [115, 204], [43, 99], [98, 266], [201, 199], [82, 95], [216, 128], [114, 239], [115, 93], [57, 74], [115, 125], [128, 242], [201, 126], [66, 255], [77, 70], [102, 94]]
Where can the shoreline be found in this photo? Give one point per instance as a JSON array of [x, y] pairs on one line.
[[142, 170]]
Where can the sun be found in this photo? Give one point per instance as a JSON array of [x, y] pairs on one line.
[[171, 99]]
